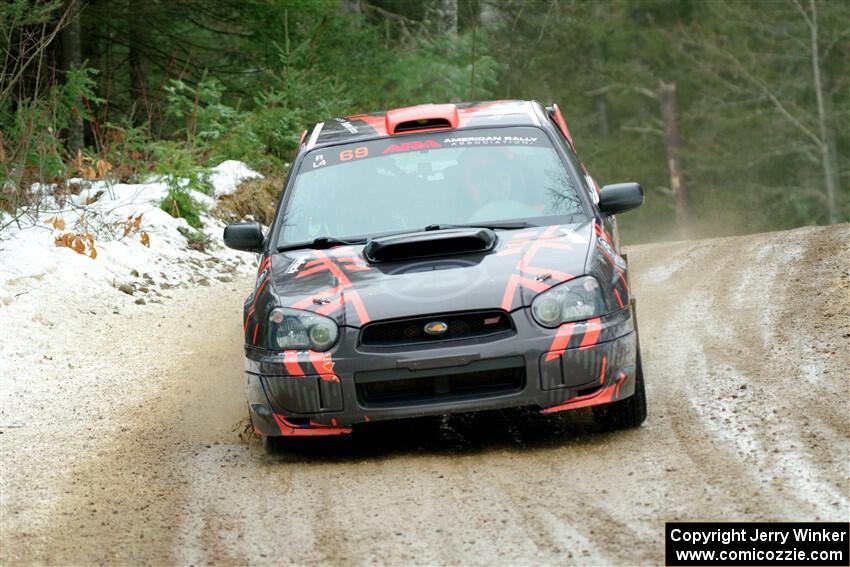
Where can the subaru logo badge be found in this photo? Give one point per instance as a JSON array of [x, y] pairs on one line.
[[436, 328]]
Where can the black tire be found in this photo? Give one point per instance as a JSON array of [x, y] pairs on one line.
[[624, 414]]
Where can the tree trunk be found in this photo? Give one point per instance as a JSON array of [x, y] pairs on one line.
[[138, 79], [447, 14], [827, 136], [72, 57], [673, 143], [601, 102]]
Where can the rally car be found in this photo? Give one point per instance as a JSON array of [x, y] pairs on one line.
[[436, 259]]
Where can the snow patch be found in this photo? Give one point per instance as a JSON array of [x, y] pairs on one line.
[[227, 176], [141, 254]]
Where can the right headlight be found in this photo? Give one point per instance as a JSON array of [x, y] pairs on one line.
[[295, 329], [575, 300]]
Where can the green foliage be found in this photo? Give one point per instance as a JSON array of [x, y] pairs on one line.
[[746, 166], [206, 118], [444, 68], [179, 204], [31, 147], [194, 82], [128, 148], [179, 166]]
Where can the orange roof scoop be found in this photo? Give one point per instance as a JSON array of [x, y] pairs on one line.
[[421, 118]]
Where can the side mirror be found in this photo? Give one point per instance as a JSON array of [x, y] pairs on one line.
[[247, 236], [619, 198]]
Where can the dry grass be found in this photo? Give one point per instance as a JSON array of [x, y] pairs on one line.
[[256, 199]]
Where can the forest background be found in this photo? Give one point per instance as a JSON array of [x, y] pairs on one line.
[[733, 115]]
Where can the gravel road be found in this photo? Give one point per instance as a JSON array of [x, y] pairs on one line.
[[125, 445]]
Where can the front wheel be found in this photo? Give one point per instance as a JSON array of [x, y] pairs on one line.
[[624, 414]]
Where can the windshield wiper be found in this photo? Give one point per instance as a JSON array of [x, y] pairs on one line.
[[321, 243], [507, 225]]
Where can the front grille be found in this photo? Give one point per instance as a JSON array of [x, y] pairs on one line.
[[460, 326], [432, 389]]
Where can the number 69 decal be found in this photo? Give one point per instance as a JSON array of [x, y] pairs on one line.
[[357, 153]]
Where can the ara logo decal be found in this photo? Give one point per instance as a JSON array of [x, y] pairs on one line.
[[411, 146], [296, 265]]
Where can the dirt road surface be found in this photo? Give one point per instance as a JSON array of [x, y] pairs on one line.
[[125, 446]]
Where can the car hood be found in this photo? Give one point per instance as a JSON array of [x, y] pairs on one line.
[[342, 284]]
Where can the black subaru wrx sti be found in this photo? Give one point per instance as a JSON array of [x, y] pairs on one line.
[[438, 259]]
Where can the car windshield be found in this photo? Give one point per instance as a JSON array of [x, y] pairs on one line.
[[409, 182]]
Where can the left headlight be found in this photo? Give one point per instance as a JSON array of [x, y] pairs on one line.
[[575, 300], [294, 329]]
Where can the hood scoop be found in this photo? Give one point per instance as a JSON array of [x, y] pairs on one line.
[[427, 244]]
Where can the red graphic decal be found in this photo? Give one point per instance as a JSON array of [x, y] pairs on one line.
[[253, 304], [591, 333], [314, 429], [342, 250], [247, 319], [535, 246], [411, 146], [562, 124], [324, 365], [290, 362], [347, 294], [379, 122], [600, 231], [354, 298], [515, 281], [622, 378], [509, 251], [602, 372], [619, 299], [376, 122], [604, 395], [562, 339], [256, 328], [267, 261], [625, 281], [538, 241], [602, 234]]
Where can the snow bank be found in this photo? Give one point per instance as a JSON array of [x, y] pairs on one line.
[[140, 250], [227, 176]]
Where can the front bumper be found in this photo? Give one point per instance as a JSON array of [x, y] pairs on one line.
[[308, 393]]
